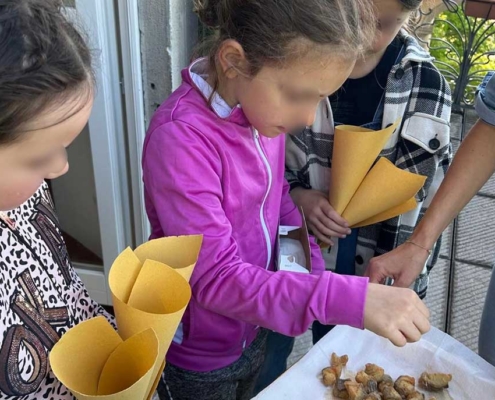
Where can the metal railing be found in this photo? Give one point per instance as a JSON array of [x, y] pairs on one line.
[[464, 48]]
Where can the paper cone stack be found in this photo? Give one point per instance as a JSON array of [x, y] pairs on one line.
[[150, 290], [364, 195]]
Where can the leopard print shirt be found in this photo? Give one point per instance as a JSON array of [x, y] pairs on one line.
[[41, 297]]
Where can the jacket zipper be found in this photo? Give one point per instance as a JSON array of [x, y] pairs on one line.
[[262, 208]]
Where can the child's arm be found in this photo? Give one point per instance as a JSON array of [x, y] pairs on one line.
[[290, 215], [182, 180]]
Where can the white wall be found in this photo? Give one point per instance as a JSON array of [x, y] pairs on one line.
[[169, 31]]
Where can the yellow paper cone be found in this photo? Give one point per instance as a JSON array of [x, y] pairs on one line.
[[150, 294], [92, 361], [180, 253], [385, 187], [355, 151], [409, 205]]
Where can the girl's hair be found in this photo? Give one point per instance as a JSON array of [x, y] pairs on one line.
[[410, 5], [267, 29], [44, 61]]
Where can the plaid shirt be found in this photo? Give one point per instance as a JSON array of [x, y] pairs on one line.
[[417, 93]]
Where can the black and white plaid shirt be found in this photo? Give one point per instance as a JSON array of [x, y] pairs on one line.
[[417, 93]]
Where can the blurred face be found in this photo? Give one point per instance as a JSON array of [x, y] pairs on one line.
[[40, 153], [279, 100], [391, 17]]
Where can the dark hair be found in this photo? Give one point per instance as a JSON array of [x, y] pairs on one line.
[[410, 5], [44, 61], [267, 29]]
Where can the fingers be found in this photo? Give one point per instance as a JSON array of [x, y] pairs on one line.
[[326, 228], [411, 332], [329, 212], [397, 338], [376, 275], [422, 323], [320, 235], [423, 309], [375, 271]]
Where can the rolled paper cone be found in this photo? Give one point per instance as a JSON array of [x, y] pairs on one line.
[[354, 152], [385, 187], [152, 294], [180, 253], [156, 382], [93, 362], [409, 205]]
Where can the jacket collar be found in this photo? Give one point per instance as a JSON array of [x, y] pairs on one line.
[[196, 75]]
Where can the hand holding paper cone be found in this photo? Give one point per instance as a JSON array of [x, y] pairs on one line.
[[363, 196], [150, 293]]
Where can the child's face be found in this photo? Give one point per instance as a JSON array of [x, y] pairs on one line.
[[40, 153], [391, 17], [279, 100]]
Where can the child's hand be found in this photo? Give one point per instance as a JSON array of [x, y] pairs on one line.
[[322, 219], [395, 313]]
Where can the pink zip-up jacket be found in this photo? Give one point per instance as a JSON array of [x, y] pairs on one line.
[[207, 171]]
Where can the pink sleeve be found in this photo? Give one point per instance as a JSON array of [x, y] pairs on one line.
[[191, 203]]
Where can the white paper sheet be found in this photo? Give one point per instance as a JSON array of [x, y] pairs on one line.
[[473, 377]]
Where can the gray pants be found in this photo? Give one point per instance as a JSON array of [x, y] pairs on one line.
[[487, 328], [234, 382]]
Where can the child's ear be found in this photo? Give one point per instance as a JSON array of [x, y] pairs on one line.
[[232, 59]]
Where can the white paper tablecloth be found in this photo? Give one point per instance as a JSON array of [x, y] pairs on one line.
[[473, 377]]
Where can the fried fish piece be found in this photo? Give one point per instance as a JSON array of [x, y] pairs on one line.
[[389, 393], [339, 390], [364, 378], [386, 381], [372, 386], [330, 375], [415, 396], [405, 385], [355, 390], [375, 372], [434, 382], [336, 360], [374, 396]]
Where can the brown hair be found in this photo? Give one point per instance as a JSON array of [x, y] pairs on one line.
[[44, 61], [267, 29]]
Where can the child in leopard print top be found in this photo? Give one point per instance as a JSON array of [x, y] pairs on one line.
[[46, 91]]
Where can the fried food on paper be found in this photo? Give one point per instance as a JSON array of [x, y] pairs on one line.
[[405, 385], [375, 372], [434, 382], [355, 390], [386, 381], [389, 393], [336, 360], [415, 396], [339, 390], [330, 375], [364, 378], [374, 396], [372, 386]]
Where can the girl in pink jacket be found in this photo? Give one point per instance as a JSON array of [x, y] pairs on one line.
[[214, 165]]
